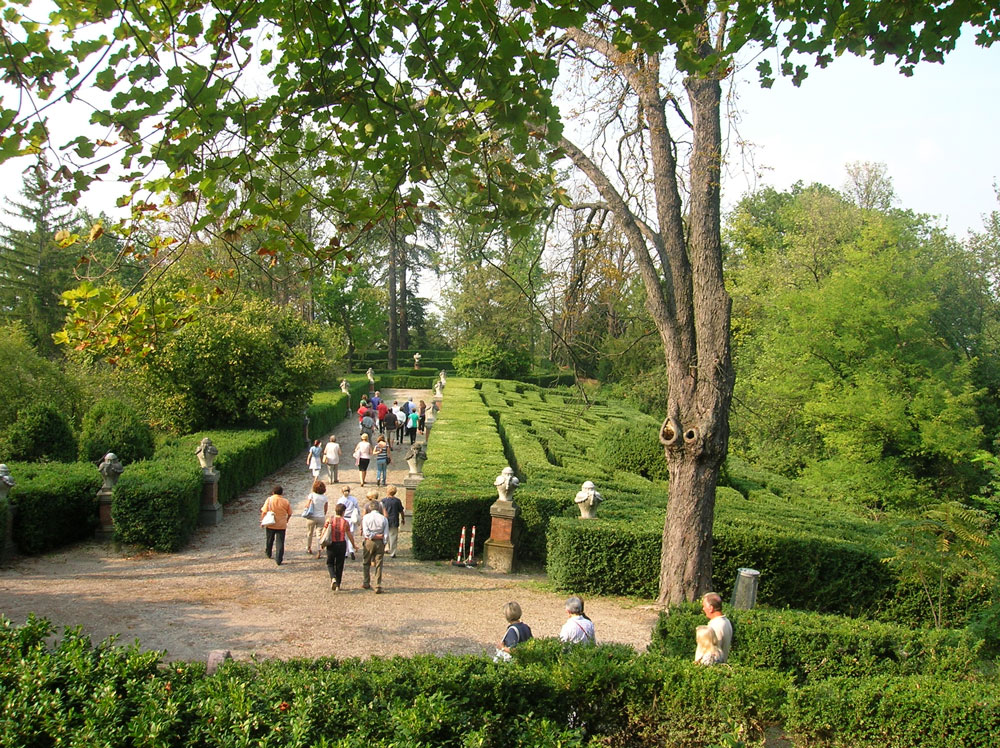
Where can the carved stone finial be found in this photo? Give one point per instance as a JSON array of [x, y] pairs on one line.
[[587, 499], [206, 452], [110, 469], [506, 482], [6, 481], [416, 456]]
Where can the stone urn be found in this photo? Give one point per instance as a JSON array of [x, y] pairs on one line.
[[111, 470], [587, 499], [207, 452], [416, 456], [506, 483]]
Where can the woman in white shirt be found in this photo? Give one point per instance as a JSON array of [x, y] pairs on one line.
[[362, 456], [331, 458], [578, 628]]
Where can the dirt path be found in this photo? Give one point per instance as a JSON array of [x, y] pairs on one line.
[[222, 593]]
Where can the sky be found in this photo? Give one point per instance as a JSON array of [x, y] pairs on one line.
[[938, 132]]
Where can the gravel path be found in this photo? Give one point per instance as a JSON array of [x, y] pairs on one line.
[[221, 592]]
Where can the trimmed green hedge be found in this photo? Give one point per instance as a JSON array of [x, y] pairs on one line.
[[156, 503], [810, 647], [76, 694], [55, 503], [893, 712]]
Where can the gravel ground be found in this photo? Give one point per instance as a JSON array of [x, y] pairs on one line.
[[221, 592]]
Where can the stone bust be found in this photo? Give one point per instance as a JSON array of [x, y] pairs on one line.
[[438, 388], [6, 481], [111, 469], [587, 499], [206, 452], [416, 456], [506, 482]]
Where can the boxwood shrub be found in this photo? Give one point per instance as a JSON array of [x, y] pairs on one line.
[[887, 712], [156, 503], [74, 693], [55, 504], [809, 646]]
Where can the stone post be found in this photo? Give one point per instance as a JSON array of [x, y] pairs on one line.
[[415, 459], [428, 422], [211, 509], [7, 482], [499, 549], [110, 469]]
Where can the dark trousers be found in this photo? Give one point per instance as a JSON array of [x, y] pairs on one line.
[[412, 430], [275, 540], [335, 553]]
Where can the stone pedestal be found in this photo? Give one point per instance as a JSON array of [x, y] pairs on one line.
[[499, 551], [410, 484], [105, 526], [211, 509], [9, 549]]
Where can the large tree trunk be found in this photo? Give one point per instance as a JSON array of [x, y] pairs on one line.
[[404, 326], [681, 267]]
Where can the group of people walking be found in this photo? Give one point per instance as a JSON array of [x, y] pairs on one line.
[[373, 527]]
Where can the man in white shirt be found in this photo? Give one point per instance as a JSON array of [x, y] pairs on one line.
[[578, 628], [711, 606], [375, 528]]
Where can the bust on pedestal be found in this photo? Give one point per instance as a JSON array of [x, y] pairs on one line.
[[416, 361], [499, 549], [371, 379], [111, 470], [345, 388], [211, 509], [587, 499]]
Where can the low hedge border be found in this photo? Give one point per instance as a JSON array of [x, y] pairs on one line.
[[811, 646], [550, 694], [55, 504]]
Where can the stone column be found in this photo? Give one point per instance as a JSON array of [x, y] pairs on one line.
[[415, 458], [110, 469], [499, 550], [7, 550]]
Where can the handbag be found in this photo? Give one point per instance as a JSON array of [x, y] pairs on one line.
[[269, 519], [327, 537], [307, 512]]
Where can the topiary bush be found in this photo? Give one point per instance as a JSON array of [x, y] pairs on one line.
[[40, 433], [113, 425]]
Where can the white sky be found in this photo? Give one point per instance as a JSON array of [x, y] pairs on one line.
[[938, 132]]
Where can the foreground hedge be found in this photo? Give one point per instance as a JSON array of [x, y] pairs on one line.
[[55, 504], [811, 647], [76, 694]]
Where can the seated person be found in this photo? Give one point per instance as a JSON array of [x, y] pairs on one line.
[[707, 652]]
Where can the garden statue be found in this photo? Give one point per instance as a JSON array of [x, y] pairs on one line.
[[442, 379], [506, 482], [6, 481], [371, 378], [587, 499], [438, 389], [416, 456], [344, 387], [416, 360], [207, 452], [111, 469]]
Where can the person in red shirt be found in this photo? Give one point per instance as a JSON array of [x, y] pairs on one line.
[[276, 532], [382, 410], [335, 552]]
